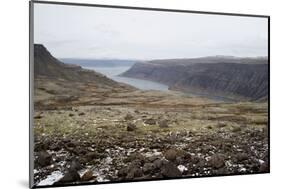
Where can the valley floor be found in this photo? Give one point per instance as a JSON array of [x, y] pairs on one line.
[[88, 133]]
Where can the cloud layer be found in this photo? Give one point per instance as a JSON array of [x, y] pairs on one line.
[[92, 32]]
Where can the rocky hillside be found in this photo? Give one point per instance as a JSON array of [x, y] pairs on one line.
[[58, 85], [230, 76], [45, 65]]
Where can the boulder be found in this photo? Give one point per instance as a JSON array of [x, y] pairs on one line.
[[221, 124], [170, 170], [150, 121], [217, 161], [236, 129], [158, 163], [94, 155], [264, 167], [128, 117], [131, 127], [122, 172], [44, 158], [134, 173], [171, 154], [148, 167], [70, 176], [38, 117], [75, 165], [81, 114], [163, 124], [88, 175], [241, 157]]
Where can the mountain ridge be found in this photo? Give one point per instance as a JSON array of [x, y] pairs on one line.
[[240, 77], [45, 65]]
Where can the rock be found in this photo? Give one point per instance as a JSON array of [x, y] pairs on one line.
[[221, 125], [264, 168], [148, 167], [220, 171], [156, 145], [131, 127], [171, 154], [265, 131], [135, 158], [55, 147], [236, 129], [81, 151], [88, 175], [201, 163], [209, 127], [150, 121], [163, 124], [241, 156], [71, 144], [217, 161], [82, 113], [70, 176], [94, 155], [179, 160], [38, 117], [128, 117], [194, 159], [170, 170], [75, 164], [153, 158], [158, 163], [122, 172], [134, 172], [44, 158]]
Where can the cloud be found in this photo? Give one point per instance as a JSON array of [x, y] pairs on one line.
[[92, 32]]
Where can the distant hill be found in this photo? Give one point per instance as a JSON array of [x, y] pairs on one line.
[[45, 65], [229, 76], [98, 62], [212, 59]]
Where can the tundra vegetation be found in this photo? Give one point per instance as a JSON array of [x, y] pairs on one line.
[[89, 128]]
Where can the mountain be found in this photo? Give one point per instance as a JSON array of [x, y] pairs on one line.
[[45, 65], [98, 62], [221, 75]]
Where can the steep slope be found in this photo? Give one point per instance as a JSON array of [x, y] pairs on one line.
[[48, 66], [230, 76], [63, 86]]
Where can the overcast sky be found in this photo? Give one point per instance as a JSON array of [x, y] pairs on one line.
[[92, 32]]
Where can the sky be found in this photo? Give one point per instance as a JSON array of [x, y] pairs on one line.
[[108, 33]]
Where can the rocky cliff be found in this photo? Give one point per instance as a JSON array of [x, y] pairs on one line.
[[230, 76]]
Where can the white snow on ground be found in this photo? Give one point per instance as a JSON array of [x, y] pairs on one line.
[[182, 168], [51, 179], [153, 153], [261, 161]]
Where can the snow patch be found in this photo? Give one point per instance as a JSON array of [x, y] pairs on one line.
[[51, 179], [153, 153], [182, 168]]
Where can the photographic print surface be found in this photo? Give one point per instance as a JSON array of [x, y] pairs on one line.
[[122, 94]]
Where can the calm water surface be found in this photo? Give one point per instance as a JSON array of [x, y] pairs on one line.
[[113, 73]]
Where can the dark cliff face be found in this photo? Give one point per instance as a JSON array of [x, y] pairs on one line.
[[237, 77], [45, 65]]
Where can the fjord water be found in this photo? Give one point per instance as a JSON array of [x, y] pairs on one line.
[[114, 72]]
